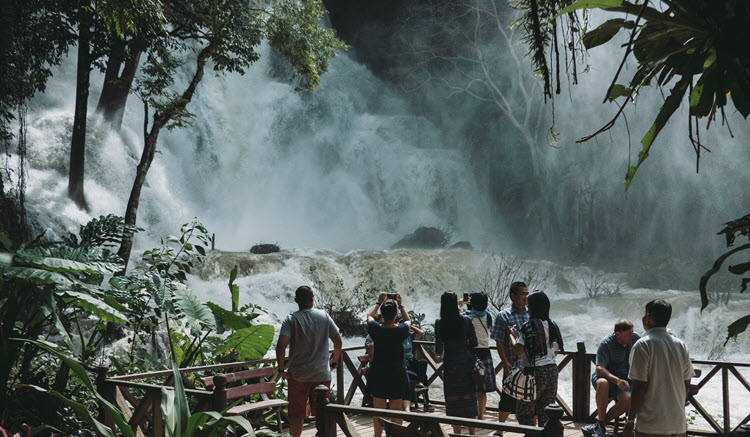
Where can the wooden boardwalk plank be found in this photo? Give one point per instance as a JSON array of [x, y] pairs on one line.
[[363, 425]]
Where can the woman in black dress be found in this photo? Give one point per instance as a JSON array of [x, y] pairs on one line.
[[455, 334], [387, 382]]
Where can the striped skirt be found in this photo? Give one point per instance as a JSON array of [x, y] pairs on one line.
[[488, 385]]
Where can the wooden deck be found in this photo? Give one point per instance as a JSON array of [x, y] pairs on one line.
[[363, 425]]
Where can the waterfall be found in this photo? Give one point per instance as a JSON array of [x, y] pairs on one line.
[[349, 166]]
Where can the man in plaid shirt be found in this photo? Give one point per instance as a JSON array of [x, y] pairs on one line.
[[515, 316]]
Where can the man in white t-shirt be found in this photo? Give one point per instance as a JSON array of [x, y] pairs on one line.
[[660, 369]]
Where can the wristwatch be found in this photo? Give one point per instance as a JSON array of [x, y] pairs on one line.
[[400, 307]]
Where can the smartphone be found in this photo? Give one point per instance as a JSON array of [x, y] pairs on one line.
[[466, 297], [391, 296]]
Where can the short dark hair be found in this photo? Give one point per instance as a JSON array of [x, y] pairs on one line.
[[623, 325], [389, 310], [516, 287], [479, 301], [660, 310], [539, 305], [304, 295]]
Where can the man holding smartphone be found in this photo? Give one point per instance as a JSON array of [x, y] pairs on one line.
[[306, 332]]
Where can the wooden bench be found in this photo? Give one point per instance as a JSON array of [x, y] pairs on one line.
[[261, 388]]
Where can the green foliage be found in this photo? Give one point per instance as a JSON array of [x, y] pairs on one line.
[[35, 37], [102, 232], [49, 289], [293, 29], [733, 229], [234, 289], [80, 372], [695, 42], [228, 33], [176, 413], [250, 343]]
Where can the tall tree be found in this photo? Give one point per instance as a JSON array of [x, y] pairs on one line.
[[103, 25], [124, 52], [121, 67], [78, 139], [226, 34]]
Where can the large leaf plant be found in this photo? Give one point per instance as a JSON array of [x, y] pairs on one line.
[[157, 293], [47, 287], [695, 47], [178, 420], [735, 228]]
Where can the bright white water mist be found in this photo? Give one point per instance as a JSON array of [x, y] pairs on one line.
[[349, 166]]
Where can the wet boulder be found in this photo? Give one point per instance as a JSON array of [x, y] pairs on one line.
[[264, 248], [423, 238], [462, 245]]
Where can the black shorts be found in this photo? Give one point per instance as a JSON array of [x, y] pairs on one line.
[[507, 403]]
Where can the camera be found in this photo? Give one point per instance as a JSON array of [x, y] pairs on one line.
[[466, 297], [391, 296]]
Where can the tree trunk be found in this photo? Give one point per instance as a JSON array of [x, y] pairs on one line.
[[131, 211], [116, 87], [78, 143], [149, 149]]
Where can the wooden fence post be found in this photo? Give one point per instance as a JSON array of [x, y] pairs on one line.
[[553, 427], [219, 401], [581, 378], [107, 390], [340, 380], [156, 414], [325, 423]]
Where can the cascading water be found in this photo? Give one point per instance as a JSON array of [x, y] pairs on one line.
[[338, 168], [350, 167]]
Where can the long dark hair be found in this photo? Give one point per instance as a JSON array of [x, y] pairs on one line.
[[539, 305], [451, 322]]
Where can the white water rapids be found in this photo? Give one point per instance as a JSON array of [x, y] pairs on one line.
[[350, 167]]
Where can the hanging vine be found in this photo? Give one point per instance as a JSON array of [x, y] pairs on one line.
[[699, 46]]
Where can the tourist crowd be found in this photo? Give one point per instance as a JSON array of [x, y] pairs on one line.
[[645, 376]]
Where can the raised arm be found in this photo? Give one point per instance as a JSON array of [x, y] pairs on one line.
[[404, 315], [373, 313]]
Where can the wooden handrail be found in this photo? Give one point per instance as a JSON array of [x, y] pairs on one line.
[[580, 360]]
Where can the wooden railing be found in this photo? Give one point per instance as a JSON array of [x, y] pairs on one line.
[[144, 411], [335, 418]]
